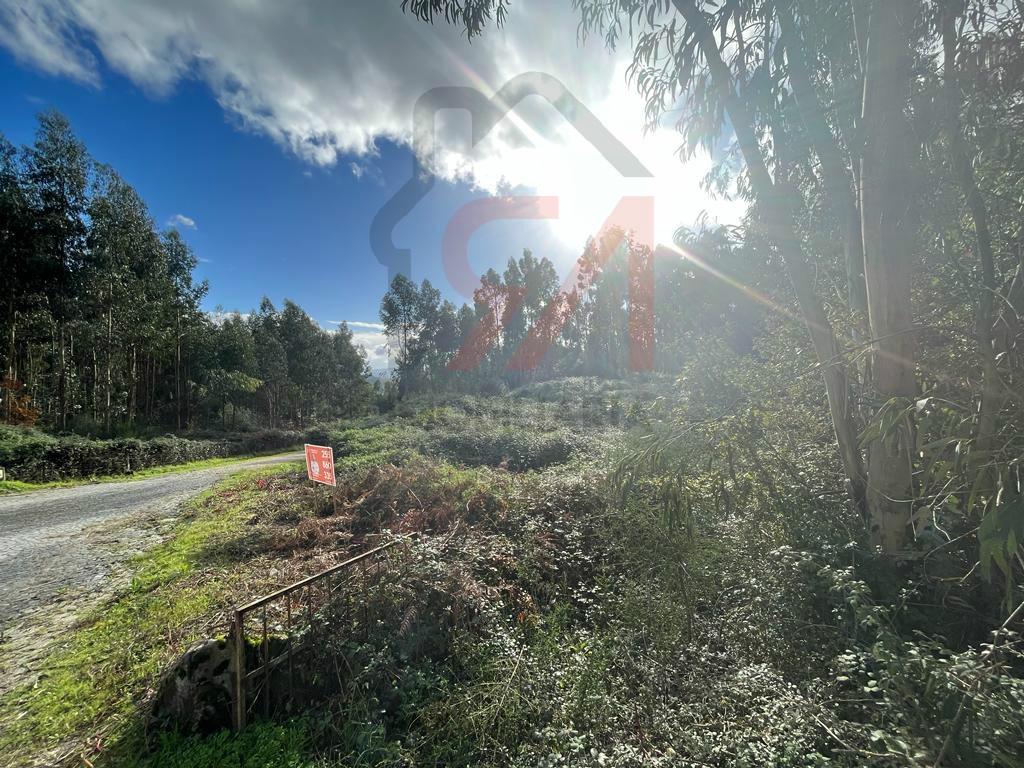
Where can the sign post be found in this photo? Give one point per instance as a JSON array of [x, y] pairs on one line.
[[3, 474], [320, 464]]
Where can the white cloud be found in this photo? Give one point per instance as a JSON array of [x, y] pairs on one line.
[[43, 35], [219, 316], [181, 221], [375, 346], [372, 339], [360, 324], [325, 80]]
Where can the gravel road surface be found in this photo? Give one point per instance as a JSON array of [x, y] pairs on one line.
[[56, 544]]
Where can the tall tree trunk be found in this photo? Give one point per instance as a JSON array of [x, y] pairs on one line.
[[95, 385], [836, 174], [779, 212], [860, 13], [177, 368], [62, 384], [72, 391], [885, 195], [133, 392], [110, 355], [188, 392], [12, 319], [1011, 313], [960, 156]]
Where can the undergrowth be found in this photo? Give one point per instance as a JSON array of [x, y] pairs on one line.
[[30, 455], [18, 486]]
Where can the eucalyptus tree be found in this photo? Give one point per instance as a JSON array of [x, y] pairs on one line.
[[967, 28], [15, 258], [302, 340], [350, 388], [427, 341], [746, 63], [491, 304], [530, 285], [271, 358], [398, 311], [101, 316], [122, 248], [187, 296], [232, 376], [57, 168]]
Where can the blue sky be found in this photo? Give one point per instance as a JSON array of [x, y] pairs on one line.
[[267, 222], [279, 129]]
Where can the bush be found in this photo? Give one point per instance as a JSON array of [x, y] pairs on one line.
[[34, 456], [517, 448], [517, 433]]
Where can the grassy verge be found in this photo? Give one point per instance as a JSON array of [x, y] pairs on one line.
[[17, 486], [92, 683]]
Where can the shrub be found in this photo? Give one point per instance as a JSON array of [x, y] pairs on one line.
[[386, 444], [479, 444], [33, 456]]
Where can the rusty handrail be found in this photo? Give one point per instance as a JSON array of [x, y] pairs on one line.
[[242, 675], [261, 601]]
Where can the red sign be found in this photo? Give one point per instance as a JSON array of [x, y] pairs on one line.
[[320, 464]]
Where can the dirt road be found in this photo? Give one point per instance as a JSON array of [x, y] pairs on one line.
[[57, 544]]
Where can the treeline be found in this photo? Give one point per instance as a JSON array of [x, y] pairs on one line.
[[627, 309], [101, 324]]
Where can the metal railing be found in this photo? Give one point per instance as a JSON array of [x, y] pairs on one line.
[[285, 620]]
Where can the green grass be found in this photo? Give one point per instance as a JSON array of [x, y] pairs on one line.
[[258, 746], [94, 679], [18, 486]]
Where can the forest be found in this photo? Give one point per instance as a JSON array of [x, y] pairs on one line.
[[103, 331]]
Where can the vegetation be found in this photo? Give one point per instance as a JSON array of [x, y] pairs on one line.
[[474, 431], [34, 456], [843, 114], [100, 318], [18, 486]]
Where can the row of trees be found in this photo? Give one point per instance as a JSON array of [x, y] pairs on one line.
[[879, 144], [524, 325], [101, 321]]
